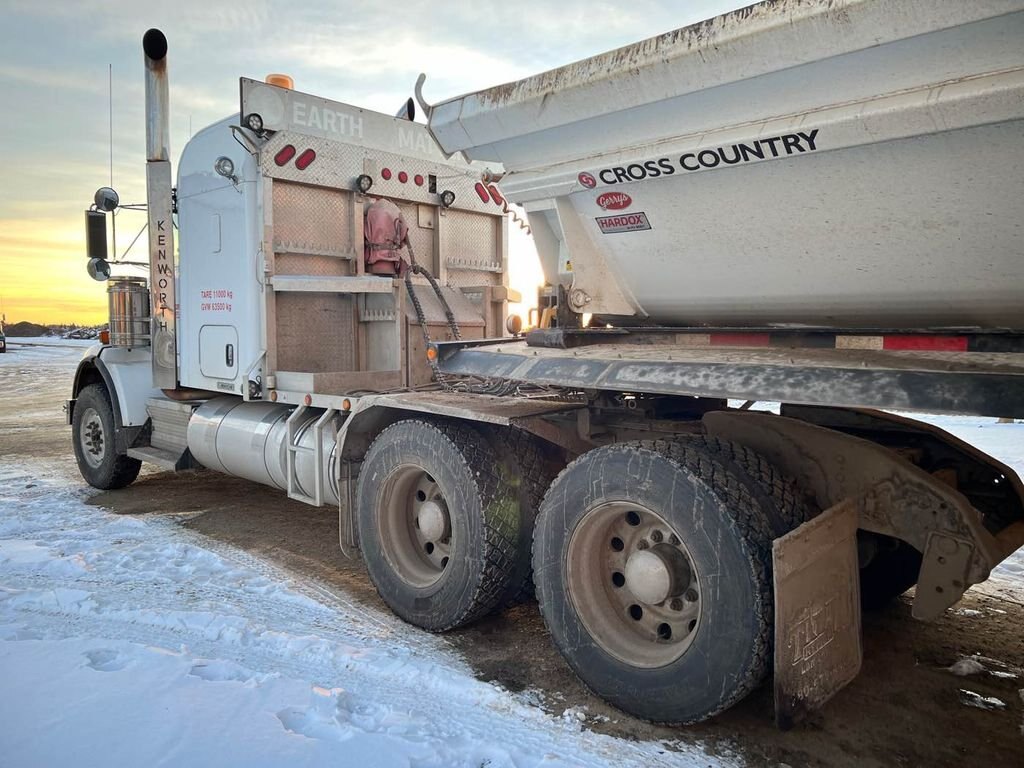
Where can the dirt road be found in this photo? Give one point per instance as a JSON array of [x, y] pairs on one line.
[[905, 709]]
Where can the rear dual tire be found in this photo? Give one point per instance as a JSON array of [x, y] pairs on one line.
[[445, 515], [653, 570]]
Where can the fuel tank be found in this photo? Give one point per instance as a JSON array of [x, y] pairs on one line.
[[835, 163], [250, 440]]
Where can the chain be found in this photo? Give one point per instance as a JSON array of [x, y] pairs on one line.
[[421, 317]]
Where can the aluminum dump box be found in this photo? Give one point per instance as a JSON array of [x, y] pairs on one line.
[[846, 164]]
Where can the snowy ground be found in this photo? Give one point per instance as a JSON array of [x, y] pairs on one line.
[[132, 641]]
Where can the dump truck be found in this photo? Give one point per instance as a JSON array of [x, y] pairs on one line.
[[815, 204]]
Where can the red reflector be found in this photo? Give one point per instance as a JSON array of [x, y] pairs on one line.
[[740, 339], [305, 159], [403, 176], [386, 174], [284, 154], [495, 194], [933, 343], [418, 179], [481, 192]]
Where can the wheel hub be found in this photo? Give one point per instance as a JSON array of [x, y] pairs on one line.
[[415, 528], [92, 438], [656, 574], [633, 584], [432, 519]]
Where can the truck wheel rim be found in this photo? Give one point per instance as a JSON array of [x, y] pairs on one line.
[[414, 526], [92, 438], [633, 584]]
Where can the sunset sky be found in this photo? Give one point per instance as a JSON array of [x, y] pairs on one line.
[[54, 59]]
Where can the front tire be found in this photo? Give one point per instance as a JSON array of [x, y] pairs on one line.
[[653, 570], [439, 523], [93, 436]]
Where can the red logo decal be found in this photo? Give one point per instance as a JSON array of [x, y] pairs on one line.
[[614, 201], [587, 180]]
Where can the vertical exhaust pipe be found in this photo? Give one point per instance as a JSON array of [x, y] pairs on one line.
[[158, 122], [159, 199]]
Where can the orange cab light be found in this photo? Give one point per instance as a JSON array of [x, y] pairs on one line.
[[281, 81]]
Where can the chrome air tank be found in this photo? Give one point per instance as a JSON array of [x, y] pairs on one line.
[[250, 440]]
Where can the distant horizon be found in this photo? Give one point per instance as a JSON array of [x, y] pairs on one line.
[[8, 323]]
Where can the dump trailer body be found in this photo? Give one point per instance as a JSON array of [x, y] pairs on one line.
[[839, 164]]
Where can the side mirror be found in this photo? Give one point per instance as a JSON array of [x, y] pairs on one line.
[[106, 199], [98, 269]]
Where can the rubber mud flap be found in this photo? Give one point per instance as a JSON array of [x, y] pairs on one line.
[[817, 612]]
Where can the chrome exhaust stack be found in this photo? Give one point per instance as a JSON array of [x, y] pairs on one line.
[[160, 206]]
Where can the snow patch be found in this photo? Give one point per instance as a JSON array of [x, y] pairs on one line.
[[976, 700], [973, 665], [968, 612], [967, 666]]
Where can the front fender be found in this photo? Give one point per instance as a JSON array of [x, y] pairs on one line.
[[128, 377]]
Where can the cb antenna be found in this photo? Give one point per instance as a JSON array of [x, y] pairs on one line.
[[110, 104]]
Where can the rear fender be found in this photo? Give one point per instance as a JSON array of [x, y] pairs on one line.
[[891, 496]]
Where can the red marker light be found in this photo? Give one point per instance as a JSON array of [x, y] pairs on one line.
[[481, 192], [305, 159], [403, 176], [418, 179], [284, 154], [495, 194], [386, 174]]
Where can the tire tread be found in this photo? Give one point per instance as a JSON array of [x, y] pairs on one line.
[[123, 470], [500, 533], [752, 523]]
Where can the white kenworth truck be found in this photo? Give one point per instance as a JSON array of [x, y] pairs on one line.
[[812, 203]]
